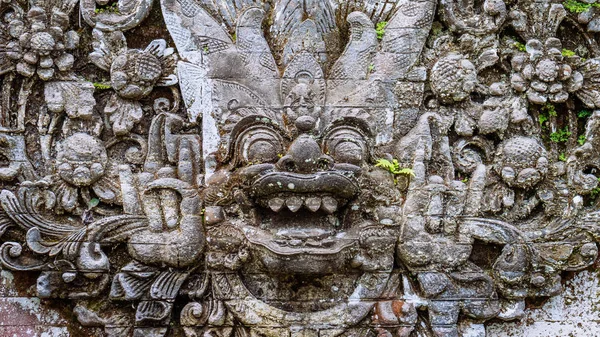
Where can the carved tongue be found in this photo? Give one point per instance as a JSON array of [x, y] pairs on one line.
[[329, 205], [313, 204], [294, 203], [276, 204]]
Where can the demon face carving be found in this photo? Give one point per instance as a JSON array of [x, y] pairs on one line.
[[315, 168]]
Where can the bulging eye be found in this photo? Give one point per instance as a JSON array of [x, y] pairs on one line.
[[259, 145], [346, 145], [349, 152]]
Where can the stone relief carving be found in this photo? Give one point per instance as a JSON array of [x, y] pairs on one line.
[[299, 168]]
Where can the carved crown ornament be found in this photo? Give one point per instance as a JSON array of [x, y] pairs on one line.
[[282, 168]]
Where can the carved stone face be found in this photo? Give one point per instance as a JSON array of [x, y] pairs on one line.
[[374, 177], [303, 194], [301, 99], [81, 160]]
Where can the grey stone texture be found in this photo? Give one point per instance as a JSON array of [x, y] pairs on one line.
[[286, 168]]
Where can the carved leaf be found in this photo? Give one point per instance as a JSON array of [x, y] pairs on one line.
[[124, 114], [252, 46], [22, 213], [404, 38], [107, 45], [354, 62], [193, 29], [290, 14]]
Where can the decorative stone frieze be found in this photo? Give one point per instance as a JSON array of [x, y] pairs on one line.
[[282, 168]]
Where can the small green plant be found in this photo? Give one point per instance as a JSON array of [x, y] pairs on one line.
[[568, 53], [234, 37], [584, 114], [543, 119], [595, 192], [575, 6], [462, 178], [205, 49], [380, 29], [550, 109], [545, 113], [371, 68], [394, 168], [520, 46], [111, 8], [560, 135], [581, 139], [93, 203], [562, 156], [101, 86]]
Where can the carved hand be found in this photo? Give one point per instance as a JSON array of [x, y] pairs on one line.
[[169, 198]]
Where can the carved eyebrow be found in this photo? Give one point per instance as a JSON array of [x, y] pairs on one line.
[[351, 122], [246, 123]]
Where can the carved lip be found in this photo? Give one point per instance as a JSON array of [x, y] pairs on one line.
[[340, 184]]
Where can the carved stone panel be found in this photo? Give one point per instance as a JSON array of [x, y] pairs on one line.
[[286, 168]]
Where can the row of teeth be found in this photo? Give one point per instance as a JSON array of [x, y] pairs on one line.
[[306, 243], [294, 203]]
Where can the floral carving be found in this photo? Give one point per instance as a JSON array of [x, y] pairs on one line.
[[40, 40], [82, 167], [313, 168], [133, 75], [543, 74]]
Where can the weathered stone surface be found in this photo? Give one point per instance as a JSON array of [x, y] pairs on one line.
[[572, 313], [406, 168]]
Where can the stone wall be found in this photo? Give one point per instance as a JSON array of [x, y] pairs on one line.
[[573, 313], [286, 168]]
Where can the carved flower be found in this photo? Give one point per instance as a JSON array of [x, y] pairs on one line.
[[521, 162], [453, 78], [81, 166], [543, 74], [133, 75], [39, 41]]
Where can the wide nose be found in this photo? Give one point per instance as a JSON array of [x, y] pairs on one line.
[[305, 156]]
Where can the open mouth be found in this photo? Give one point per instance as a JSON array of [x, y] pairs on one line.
[[301, 212], [312, 238]]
